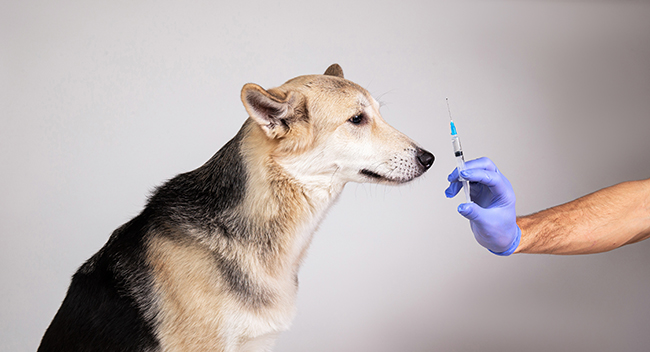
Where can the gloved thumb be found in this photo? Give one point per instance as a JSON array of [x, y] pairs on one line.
[[471, 211]]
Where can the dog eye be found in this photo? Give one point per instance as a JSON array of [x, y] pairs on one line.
[[357, 119]]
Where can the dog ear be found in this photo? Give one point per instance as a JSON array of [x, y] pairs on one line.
[[272, 113], [334, 70]]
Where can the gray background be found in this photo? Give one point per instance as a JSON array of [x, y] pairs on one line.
[[102, 101]]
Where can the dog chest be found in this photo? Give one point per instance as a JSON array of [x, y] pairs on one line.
[[201, 307]]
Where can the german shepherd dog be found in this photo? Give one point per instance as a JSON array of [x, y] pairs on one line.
[[211, 263]]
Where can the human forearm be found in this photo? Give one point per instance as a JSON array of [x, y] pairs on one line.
[[598, 222]]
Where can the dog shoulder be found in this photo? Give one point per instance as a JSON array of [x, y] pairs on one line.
[[101, 305]]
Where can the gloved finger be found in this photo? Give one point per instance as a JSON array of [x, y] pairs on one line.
[[488, 178], [471, 211], [453, 189], [453, 176], [494, 180], [481, 163]]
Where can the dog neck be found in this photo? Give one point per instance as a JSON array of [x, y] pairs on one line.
[[278, 203]]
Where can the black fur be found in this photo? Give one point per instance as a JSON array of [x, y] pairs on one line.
[[110, 305], [204, 196], [241, 284], [99, 313]]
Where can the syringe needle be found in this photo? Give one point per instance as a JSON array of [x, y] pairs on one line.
[[448, 109]]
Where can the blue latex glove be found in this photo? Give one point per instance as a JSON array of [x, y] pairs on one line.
[[492, 216]]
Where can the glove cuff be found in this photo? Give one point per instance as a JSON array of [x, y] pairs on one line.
[[512, 248]]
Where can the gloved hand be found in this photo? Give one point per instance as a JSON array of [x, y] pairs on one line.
[[492, 214]]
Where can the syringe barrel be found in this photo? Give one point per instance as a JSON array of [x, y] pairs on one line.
[[460, 162], [458, 152], [455, 142]]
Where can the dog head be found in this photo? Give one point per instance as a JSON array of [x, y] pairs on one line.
[[326, 130]]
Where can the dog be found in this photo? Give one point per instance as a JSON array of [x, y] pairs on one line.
[[211, 262]]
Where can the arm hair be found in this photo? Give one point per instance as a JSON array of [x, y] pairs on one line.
[[598, 222]]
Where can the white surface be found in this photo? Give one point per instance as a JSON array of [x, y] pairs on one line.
[[102, 101]]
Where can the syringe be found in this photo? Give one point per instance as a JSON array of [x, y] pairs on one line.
[[458, 152]]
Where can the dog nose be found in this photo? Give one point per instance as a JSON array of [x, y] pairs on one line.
[[425, 158]]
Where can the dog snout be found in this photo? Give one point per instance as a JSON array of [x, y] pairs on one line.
[[425, 158]]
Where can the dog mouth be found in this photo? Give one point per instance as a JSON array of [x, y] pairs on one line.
[[403, 169], [371, 174], [379, 178]]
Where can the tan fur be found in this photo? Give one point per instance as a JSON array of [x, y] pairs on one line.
[[198, 311], [297, 166]]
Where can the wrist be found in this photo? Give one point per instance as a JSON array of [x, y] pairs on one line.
[[513, 246], [526, 225]]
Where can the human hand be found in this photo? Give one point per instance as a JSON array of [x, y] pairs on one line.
[[492, 214]]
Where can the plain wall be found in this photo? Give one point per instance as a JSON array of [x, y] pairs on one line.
[[101, 101]]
